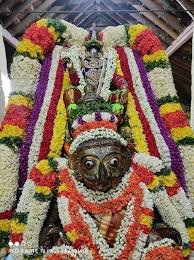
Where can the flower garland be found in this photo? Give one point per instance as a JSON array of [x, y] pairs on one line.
[[113, 36], [177, 123], [96, 116], [134, 120], [68, 195], [40, 38], [188, 158], [162, 250], [136, 126], [51, 113], [146, 127], [74, 35], [72, 53], [38, 100], [141, 95], [160, 177], [24, 75], [94, 134], [11, 136], [39, 129], [160, 76], [89, 108], [176, 160], [59, 127], [110, 56], [24, 223]]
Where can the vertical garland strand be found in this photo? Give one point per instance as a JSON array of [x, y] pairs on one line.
[[39, 96], [176, 160]]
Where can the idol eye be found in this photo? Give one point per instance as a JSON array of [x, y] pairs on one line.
[[114, 162], [89, 164]]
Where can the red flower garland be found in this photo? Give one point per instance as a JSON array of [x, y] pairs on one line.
[[99, 208], [164, 253], [43, 179], [17, 116], [175, 119], [35, 33], [145, 175], [82, 229], [94, 125], [147, 43], [8, 214]]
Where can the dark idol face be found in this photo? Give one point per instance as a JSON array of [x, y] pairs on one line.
[[100, 164]]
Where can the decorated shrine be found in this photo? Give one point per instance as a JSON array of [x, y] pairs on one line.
[[96, 151]]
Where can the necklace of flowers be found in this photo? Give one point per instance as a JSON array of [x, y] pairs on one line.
[[74, 208], [95, 201]]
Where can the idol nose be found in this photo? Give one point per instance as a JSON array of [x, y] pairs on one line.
[[102, 173]]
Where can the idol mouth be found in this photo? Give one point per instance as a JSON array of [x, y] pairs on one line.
[[103, 186]]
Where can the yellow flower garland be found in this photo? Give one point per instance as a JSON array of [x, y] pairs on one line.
[[59, 123], [20, 100], [118, 67], [5, 225], [180, 133], [44, 167], [43, 189], [156, 56], [136, 127], [154, 184], [170, 107], [168, 180], [145, 220], [17, 227], [33, 49], [11, 130]]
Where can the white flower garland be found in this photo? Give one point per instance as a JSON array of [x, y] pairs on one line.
[[179, 200], [35, 221], [73, 54], [75, 35], [162, 82], [24, 74], [9, 163], [104, 249], [104, 91], [169, 214], [182, 204], [38, 132], [140, 92], [64, 215], [187, 152], [139, 248], [147, 200], [114, 36], [96, 134], [26, 199], [91, 118]]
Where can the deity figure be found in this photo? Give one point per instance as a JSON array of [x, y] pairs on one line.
[[100, 183]]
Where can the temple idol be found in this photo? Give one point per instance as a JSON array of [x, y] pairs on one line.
[[95, 148]]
